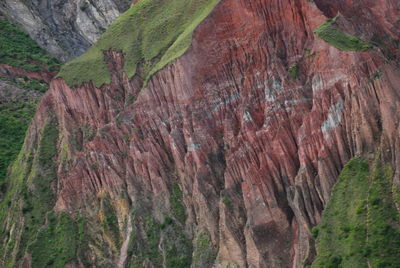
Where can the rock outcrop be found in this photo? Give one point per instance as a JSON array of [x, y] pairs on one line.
[[65, 29], [249, 129]]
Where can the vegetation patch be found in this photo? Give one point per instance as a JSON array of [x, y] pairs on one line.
[[28, 83], [36, 191], [227, 202], [56, 243], [341, 40], [204, 253], [29, 195], [360, 224], [52, 240], [109, 223], [157, 244], [150, 34], [15, 118], [17, 49], [294, 71], [383, 246], [176, 202]]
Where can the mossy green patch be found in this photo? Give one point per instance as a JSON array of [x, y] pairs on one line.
[[339, 39], [360, 224], [151, 34], [28, 83], [17, 49]]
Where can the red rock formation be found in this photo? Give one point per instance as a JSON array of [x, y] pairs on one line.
[[227, 120], [13, 72]]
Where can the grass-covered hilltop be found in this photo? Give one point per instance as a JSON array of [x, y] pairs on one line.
[[150, 34]]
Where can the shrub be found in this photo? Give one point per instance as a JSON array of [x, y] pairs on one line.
[[314, 232], [227, 202], [294, 71]]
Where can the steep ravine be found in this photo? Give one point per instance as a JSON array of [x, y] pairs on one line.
[[226, 156]]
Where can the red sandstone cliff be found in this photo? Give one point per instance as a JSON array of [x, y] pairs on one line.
[[227, 121]]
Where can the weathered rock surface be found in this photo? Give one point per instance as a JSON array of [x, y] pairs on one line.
[[65, 29], [255, 149]]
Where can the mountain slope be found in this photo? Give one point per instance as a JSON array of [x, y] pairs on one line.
[[65, 29], [225, 157], [25, 73]]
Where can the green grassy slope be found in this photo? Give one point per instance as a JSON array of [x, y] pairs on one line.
[[360, 225], [151, 34], [14, 120], [341, 40], [52, 240]]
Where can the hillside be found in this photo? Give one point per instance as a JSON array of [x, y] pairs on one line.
[[223, 134], [25, 73]]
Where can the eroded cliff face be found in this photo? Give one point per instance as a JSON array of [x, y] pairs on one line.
[[249, 130], [65, 29]]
